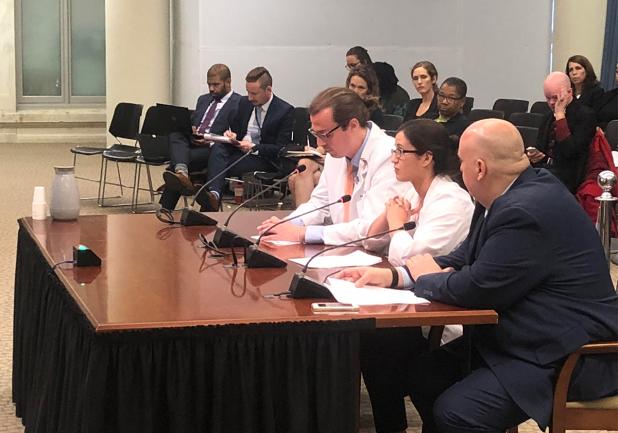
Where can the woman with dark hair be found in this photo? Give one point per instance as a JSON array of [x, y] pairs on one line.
[[362, 80], [393, 98], [583, 80], [357, 56], [425, 156], [424, 77]]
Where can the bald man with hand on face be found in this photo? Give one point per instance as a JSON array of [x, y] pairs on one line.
[[532, 255], [565, 134]]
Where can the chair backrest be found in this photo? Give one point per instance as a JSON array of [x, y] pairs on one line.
[[468, 105], [153, 144], [391, 121], [391, 132], [533, 120], [301, 124], [481, 113], [611, 133], [509, 106], [125, 121], [540, 107], [529, 135]]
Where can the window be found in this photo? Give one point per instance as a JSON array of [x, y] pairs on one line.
[[61, 51]]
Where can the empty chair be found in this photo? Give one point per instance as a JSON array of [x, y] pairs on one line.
[[468, 105], [510, 106], [154, 151], [391, 121], [532, 120], [529, 135], [480, 113], [611, 133], [124, 125], [540, 107]]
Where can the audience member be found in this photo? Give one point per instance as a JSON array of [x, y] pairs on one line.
[[263, 124], [362, 80], [534, 256], [584, 83], [424, 155], [565, 134], [425, 78], [451, 99], [357, 56], [213, 113], [393, 98], [607, 105], [357, 163]]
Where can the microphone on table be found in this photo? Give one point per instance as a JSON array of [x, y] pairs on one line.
[[255, 258], [225, 238], [303, 286], [189, 217]]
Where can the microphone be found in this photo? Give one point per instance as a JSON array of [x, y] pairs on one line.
[[189, 217], [255, 258], [303, 286], [225, 238]]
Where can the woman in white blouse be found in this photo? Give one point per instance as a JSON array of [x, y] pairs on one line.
[[426, 157]]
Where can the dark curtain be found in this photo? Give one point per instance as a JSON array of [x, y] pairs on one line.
[[610, 46], [292, 378]]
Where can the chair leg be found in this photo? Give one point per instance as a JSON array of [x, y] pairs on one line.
[[104, 173], [152, 198], [102, 180], [136, 179], [119, 179]]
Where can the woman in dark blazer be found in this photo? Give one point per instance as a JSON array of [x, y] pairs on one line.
[[584, 81], [424, 77]]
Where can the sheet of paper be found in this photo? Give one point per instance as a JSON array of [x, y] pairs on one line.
[[345, 291], [357, 258], [615, 157], [276, 243]]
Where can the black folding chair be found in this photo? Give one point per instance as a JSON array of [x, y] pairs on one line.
[[540, 107], [532, 120], [510, 106], [478, 114]]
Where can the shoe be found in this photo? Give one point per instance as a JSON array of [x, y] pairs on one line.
[[208, 201], [178, 182]]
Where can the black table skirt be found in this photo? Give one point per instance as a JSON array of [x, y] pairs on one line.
[[297, 377]]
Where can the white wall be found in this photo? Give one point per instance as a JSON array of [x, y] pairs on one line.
[[499, 47]]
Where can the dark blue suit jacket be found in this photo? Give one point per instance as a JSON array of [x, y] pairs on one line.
[[537, 260], [224, 117], [276, 126]]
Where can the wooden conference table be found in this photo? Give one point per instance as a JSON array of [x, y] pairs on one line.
[[164, 338]]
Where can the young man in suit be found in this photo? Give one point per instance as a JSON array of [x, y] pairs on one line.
[[565, 134], [213, 113], [532, 255], [262, 126], [357, 163]]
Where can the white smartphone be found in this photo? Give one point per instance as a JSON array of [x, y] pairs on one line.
[[320, 307]]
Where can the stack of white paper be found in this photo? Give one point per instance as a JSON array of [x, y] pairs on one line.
[[346, 292], [357, 258]]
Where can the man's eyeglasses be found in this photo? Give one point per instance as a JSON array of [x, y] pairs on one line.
[[449, 98], [399, 152], [323, 135]]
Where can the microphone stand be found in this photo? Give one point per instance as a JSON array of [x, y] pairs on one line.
[[225, 238], [189, 217], [303, 286], [255, 258]]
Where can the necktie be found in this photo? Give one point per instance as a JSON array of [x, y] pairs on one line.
[[210, 114], [254, 129], [349, 188]]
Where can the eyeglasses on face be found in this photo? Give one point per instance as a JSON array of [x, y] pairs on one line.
[[399, 152], [351, 66], [449, 98], [323, 135]]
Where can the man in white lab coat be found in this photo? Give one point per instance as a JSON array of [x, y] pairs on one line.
[[357, 163]]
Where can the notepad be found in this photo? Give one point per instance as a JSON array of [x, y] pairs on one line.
[[345, 291], [357, 258]]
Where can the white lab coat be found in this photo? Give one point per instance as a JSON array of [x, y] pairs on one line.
[[374, 183], [441, 225]]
